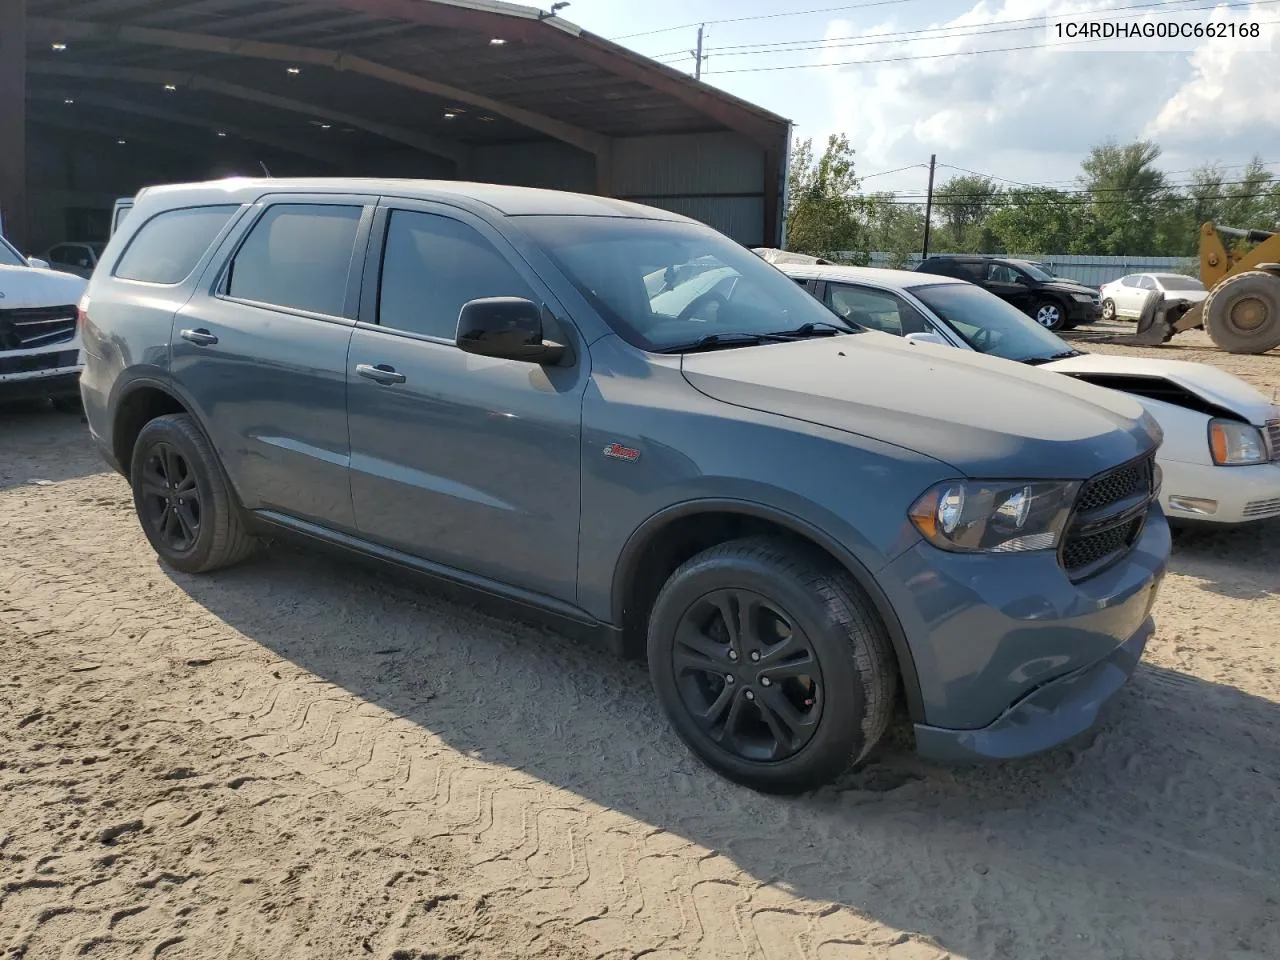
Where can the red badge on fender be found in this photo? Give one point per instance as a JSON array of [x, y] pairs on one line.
[[618, 452]]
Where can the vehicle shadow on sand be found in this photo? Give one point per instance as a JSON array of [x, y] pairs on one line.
[[1241, 562], [1154, 836], [39, 443]]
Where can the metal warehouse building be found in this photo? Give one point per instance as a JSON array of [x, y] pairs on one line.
[[101, 97]]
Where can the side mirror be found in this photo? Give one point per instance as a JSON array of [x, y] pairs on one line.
[[38, 263], [509, 328], [926, 338]]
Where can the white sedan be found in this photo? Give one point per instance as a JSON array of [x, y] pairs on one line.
[[1125, 297], [1221, 450]]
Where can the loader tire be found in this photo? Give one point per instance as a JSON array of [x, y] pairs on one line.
[[1242, 314]]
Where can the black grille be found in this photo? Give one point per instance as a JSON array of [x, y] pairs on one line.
[[1131, 480], [29, 328], [35, 362], [1082, 552], [1110, 513]]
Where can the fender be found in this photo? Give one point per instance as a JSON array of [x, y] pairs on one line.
[[642, 535]]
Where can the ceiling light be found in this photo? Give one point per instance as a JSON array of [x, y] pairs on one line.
[[450, 116], [122, 142], [58, 46], [324, 126], [293, 71], [221, 134], [170, 87], [497, 42], [68, 100]]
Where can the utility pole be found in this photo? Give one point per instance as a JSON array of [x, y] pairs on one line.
[[697, 54], [928, 205]]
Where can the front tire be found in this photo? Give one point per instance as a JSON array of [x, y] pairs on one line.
[[1049, 314], [183, 500], [1242, 313], [771, 664]]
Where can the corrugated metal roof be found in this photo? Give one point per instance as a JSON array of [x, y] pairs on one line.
[[425, 69]]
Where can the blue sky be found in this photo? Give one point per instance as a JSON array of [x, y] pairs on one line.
[[1027, 115]]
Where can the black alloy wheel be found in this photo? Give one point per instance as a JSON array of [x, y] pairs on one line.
[[748, 675], [170, 498]]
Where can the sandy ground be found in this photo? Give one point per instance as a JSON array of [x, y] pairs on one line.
[[303, 758]]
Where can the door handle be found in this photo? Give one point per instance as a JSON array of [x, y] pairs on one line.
[[382, 373], [201, 337]]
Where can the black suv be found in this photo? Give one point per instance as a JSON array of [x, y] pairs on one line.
[[1053, 302]]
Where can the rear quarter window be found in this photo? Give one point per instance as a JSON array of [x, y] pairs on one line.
[[169, 245]]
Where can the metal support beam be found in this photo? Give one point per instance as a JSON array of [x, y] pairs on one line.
[[433, 145], [339, 159], [559, 35], [13, 121], [584, 139]]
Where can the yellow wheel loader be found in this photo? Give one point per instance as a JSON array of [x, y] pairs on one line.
[[1242, 312]]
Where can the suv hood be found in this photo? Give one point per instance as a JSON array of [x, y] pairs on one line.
[[1209, 383], [984, 416], [32, 287]]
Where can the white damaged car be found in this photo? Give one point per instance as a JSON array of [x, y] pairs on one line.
[[1221, 450], [39, 338]]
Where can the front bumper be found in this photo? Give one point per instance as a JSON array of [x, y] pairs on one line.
[[1046, 717], [988, 632], [1233, 494], [59, 384], [1079, 312]]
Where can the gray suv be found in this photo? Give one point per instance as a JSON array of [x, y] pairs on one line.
[[618, 416]]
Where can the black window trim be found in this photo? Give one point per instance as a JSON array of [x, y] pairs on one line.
[[201, 264], [371, 274], [257, 210]]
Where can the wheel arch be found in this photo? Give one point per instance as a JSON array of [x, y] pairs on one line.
[[671, 536], [137, 404]]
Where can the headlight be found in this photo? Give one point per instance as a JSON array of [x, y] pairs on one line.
[[1235, 444], [973, 516], [1083, 297]]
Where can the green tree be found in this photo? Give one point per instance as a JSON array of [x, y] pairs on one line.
[[961, 209], [894, 226], [1037, 220], [822, 201], [1129, 206]]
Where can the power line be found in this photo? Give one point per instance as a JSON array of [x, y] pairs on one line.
[[885, 173], [929, 56], [763, 16], [1187, 184], [917, 200]]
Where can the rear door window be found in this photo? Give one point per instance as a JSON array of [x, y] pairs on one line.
[[298, 256], [169, 245]]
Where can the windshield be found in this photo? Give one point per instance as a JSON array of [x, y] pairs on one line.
[[10, 257], [989, 324], [1036, 272], [664, 285], [1180, 283]]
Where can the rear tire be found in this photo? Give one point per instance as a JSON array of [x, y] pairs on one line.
[[814, 672], [183, 500], [1108, 310], [1242, 313]]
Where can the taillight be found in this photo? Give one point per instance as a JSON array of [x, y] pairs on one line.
[[82, 314]]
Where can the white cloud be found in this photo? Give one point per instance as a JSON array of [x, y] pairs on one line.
[[1033, 114]]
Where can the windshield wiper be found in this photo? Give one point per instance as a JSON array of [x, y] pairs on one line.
[[716, 341], [815, 328], [1036, 361]]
